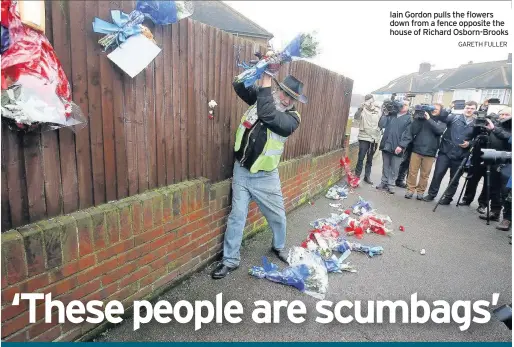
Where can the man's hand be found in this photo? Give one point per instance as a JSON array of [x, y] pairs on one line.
[[465, 144], [427, 116], [490, 125], [266, 80], [398, 150]]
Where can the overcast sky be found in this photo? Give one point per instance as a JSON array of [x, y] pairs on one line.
[[355, 41]]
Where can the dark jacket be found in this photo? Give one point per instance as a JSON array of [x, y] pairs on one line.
[[425, 135], [457, 131], [395, 126], [499, 136], [281, 123]]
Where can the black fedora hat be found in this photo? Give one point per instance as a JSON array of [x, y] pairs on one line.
[[293, 87]]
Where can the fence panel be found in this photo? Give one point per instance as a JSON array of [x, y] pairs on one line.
[[152, 130]]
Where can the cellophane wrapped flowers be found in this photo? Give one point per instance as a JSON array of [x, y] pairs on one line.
[[36, 93]]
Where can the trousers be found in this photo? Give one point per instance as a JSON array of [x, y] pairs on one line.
[[390, 165], [264, 188], [442, 164], [366, 149], [419, 163], [404, 166], [495, 187]]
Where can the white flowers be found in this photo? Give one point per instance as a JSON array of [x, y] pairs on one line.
[[212, 104]]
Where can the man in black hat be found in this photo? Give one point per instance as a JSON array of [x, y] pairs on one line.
[[369, 135], [260, 138]]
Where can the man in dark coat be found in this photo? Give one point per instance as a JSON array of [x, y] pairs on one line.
[[424, 135], [393, 145], [453, 149]]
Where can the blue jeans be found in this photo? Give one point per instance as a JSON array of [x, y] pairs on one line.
[[264, 188]]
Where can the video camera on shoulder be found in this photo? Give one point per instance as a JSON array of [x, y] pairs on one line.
[[481, 119], [391, 106], [419, 110]]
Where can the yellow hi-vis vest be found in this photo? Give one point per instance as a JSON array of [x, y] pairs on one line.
[[269, 159]]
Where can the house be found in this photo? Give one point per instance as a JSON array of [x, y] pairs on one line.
[[471, 81], [222, 16]]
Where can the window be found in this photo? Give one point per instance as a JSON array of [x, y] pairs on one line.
[[493, 93], [427, 99], [439, 97]]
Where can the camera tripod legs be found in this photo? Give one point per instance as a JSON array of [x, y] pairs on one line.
[[455, 177], [487, 187]]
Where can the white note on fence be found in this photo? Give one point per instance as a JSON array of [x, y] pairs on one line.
[[135, 54]]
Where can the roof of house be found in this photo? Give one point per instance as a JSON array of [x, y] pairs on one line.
[[488, 75], [222, 16]]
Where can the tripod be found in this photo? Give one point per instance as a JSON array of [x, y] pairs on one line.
[[455, 177]]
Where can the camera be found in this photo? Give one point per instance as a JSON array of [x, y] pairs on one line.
[[504, 314], [391, 106], [419, 110], [480, 120], [491, 156]]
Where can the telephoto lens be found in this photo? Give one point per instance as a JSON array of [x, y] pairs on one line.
[[504, 314]]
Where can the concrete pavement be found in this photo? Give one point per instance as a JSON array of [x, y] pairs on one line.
[[465, 260]]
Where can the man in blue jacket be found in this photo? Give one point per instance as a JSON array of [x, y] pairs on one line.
[[453, 149], [393, 145]]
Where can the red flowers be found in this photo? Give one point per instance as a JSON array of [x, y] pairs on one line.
[[353, 180]]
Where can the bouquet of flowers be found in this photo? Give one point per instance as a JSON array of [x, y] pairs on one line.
[[345, 246], [353, 180], [362, 206], [333, 221], [337, 193], [307, 272], [303, 46], [316, 283], [291, 276], [163, 12], [36, 93], [334, 264], [126, 25], [377, 224], [322, 240], [354, 228]]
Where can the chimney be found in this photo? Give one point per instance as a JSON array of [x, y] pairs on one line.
[[424, 67], [509, 59]]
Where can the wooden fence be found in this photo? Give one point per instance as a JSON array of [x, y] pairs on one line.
[[153, 130]]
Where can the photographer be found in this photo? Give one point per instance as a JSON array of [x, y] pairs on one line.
[[424, 133], [497, 135], [395, 123], [454, 147], [369, 135]]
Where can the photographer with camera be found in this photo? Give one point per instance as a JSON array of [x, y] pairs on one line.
[[424, 134], [395, 121], [454, 147], [496, 135], [369, 135]]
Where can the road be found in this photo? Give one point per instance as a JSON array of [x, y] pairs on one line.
[[465, 260]]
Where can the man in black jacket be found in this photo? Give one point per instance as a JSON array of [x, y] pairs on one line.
[[499, 133], [259, 144], [393, 145], [453, 149], [424, 134]]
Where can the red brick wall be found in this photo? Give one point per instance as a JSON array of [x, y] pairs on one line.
[[133, 248]]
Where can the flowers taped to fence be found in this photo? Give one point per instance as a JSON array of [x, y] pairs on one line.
[[36, 93], [163, 12], [301, 47]]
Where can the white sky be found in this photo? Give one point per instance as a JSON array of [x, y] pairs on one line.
[[354, 36]]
